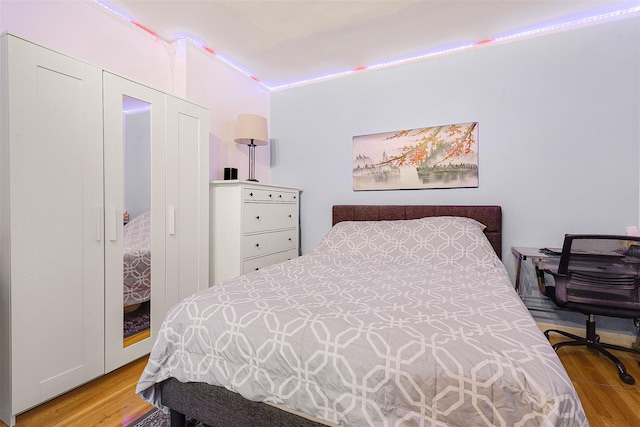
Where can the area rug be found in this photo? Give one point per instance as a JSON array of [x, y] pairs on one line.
[[157, 418], [137, 321]]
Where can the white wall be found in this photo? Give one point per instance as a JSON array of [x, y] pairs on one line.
[[85, 30], [558, 133], [212, 80]]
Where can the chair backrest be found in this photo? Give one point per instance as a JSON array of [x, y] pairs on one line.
[[600, 270]]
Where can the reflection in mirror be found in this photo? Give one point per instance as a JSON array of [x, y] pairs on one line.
[[137, 220]]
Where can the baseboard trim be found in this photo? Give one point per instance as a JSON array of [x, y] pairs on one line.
[[608, 337]]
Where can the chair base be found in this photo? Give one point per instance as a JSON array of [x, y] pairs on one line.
[[592, 341]]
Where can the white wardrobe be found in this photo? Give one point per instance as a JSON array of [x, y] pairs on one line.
[[61, 218]]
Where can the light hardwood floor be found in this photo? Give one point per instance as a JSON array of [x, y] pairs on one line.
[[110, 401], [607, 401]]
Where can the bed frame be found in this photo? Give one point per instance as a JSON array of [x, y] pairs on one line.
[[217, 406]]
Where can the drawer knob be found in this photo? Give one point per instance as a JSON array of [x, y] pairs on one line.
[[258, 217], [257, 245], [280, 196], [251, 194], [294, 197], [289, 215], [257, 269], [289, 238], [270, 195]]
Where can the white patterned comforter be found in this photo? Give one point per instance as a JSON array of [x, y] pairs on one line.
[[402, 323], [137, 260]]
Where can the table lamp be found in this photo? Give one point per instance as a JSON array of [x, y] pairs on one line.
[[251, 130]]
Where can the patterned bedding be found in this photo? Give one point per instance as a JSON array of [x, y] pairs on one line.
[[137, 260], [386, 323]]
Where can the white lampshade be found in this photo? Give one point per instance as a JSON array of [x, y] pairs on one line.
[[251, 127]]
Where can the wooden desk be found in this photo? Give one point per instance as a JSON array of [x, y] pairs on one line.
[[522, 254]]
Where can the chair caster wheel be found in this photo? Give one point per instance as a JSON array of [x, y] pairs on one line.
[[627, 379]]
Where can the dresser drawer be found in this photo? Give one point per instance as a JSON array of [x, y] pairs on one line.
[[268, 195], [258, 263], [269, 216], [268, 243]]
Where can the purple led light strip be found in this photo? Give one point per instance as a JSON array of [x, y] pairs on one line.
[[537, 31]]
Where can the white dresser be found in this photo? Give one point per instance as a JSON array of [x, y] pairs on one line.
[[252, 225]]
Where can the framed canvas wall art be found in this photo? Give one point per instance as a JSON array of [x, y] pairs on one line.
[[432, 157]]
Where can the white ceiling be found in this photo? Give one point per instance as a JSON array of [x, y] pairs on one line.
[[282, 42]]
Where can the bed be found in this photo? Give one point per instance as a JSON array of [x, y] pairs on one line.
[[402, 316], [137, 261]]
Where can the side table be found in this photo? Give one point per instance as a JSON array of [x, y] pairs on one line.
[[522, 254]]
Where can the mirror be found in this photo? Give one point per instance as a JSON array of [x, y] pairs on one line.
[[136, 219]]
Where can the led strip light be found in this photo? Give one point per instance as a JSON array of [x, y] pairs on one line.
[[537, 31]]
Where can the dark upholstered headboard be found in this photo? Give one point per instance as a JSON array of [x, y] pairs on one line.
[[491, 216]]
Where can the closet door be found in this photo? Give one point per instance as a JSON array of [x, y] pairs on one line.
[[54, 195], [187, 199], [135, 177]]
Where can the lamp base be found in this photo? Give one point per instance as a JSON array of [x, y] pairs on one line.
[[252, 162]]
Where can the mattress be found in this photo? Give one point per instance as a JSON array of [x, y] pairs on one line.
[[385, 323]]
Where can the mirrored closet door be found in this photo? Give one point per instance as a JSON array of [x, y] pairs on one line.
[[134, 171]]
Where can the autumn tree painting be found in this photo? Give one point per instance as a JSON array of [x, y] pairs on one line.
[[431, 157]]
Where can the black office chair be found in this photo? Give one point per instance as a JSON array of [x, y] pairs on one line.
[[598, 275]]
